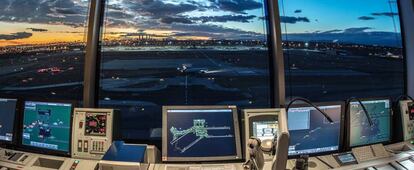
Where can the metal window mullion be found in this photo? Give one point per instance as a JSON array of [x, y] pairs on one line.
[[407, 13], [90, 84], [277, 54]]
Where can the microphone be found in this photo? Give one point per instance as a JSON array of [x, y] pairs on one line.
[[311, 104]]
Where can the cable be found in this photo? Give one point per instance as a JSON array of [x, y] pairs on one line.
[[324, 162], [363, 108], [404, 96], [311, 104]]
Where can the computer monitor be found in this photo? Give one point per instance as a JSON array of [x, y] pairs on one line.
[[7, 119], [47, 126], [200, 133], [311, 133], [360, 131], [270, 126]]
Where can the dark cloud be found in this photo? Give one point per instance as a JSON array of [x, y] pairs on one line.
[[391, 39], [64, 12], [236, 6], [356, 30], [216, 32], [170, 20], [331, 31], [158, 9], [181, 34], [114, 22], [298, 11], [263, 18], [226, 18], [366, 18], [119, 15], [15, 36], [37, 29], [388, 14], [114, 7], [293, 20]]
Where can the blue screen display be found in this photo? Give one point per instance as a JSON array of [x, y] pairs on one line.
[[361, 132], [7, 115], [200, 133], [311, 133], [47, 125]]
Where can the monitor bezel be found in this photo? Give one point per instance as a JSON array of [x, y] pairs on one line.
[[16, 123], [39, 150], [236, 124], [341, 127], [258, 115], [260, 118], [348, 122]]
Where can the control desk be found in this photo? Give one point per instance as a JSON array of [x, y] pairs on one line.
[[401, 156], [210, 138], [10, 160]]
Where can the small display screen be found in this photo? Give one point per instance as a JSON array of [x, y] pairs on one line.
[[95, 124], [47, 125], [7, 115], [346, 158], [265, 130]]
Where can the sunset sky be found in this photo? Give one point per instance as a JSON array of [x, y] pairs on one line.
[[328, 15], [48, 21]]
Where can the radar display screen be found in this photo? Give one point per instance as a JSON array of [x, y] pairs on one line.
[[47, 125], [265, 130], [361, 132], [7, 115], [201, 134], [307, 127], [95, 124]]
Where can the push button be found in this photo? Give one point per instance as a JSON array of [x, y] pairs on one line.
[[85, 146]]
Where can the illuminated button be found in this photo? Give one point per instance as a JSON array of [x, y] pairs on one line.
[[85, 146], [79, 145]]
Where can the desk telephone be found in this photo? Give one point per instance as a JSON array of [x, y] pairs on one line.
[[407, 117], [371, 152]]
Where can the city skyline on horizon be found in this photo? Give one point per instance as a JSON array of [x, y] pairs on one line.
[[65, 20]]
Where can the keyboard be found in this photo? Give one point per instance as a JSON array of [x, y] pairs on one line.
[[363, 154]]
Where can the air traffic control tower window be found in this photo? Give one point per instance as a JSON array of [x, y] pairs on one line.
[[42, 48], [182, 52], [335, 49]]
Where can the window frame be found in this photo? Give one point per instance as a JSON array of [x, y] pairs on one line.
[[94, 42], [405, 9], [276, 58]]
